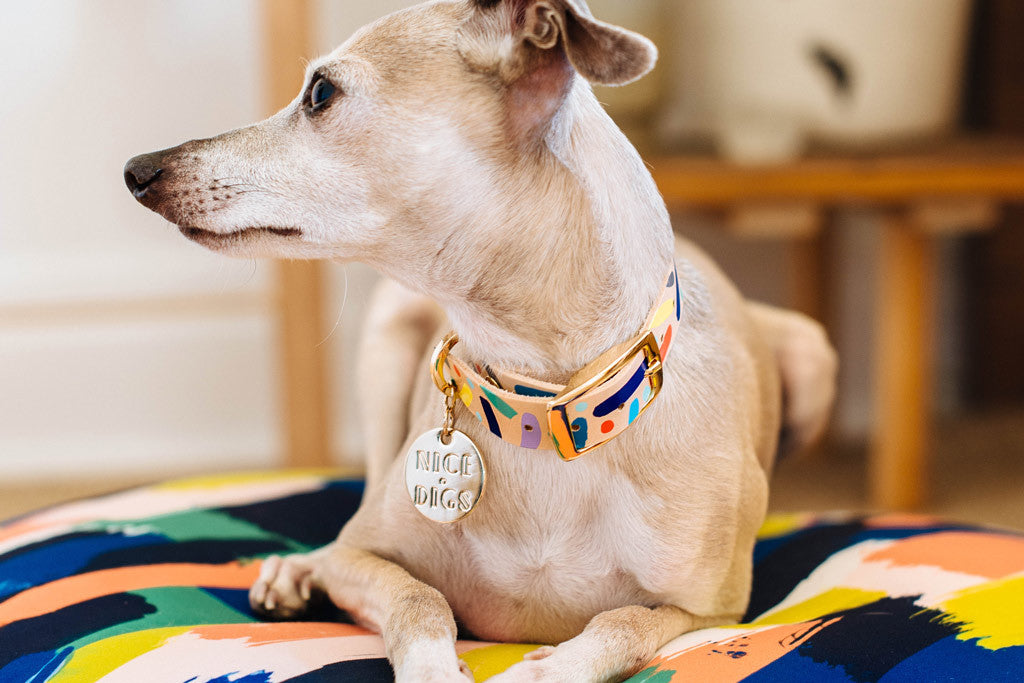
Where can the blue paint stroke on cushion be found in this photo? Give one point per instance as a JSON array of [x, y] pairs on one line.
[[235, 598], [48, 632], [611, 404], [865, 643], [952, 659], [64, 556], [35, 667], [361, 670], [313, 519], [792, 668], [233, 677], [209, 551]]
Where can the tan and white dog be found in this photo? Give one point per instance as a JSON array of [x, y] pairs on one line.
[[457, 147]]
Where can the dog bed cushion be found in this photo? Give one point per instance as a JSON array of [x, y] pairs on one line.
[[151, 585]]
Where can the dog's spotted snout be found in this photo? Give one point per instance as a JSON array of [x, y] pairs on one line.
[[142, 172]]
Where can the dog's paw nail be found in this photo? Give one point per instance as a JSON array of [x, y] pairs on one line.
[[270, 604], [466, 671]]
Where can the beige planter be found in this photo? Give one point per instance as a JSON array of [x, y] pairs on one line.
[[764, 76]]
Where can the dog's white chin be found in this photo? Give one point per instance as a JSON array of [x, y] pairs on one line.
[[236, 241]]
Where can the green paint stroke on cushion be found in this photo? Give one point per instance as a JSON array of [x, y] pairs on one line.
[[199, 525], [174, 607], [503, 408], [652, 675]]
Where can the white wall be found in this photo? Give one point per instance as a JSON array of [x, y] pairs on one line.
[[121, 345]]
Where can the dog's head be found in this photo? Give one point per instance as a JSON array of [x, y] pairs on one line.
[[398, 138]]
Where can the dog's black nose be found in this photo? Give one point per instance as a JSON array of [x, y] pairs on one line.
[[141, 172]]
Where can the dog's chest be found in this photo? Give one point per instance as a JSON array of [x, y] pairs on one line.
[[555, 544]]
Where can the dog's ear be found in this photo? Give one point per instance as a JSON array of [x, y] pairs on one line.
[[602, 53]]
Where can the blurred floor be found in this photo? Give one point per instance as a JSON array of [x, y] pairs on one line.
[[19, 499], [977, 473], [977, 476]]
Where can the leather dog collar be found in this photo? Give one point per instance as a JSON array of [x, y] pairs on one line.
[[600, 402]]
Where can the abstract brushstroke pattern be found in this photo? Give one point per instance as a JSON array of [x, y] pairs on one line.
[[151, 585]]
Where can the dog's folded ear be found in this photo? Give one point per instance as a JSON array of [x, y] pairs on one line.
[[602, 53]]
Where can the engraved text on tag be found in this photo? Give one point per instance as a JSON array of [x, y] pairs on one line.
[[445, 482]]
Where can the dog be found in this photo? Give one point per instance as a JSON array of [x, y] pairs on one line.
[[458, 148]]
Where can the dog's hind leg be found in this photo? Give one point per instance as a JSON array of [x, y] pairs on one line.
[[615, 645], [415, 620], [807, 366], [400, 327]]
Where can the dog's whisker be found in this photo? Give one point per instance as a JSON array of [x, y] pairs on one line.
[[341, 312], [252, 272]]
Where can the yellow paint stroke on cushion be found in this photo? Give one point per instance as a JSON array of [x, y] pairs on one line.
[[991, 613], [96, 660], [780, 525], [829, 602], [494, 659], [239, 478]]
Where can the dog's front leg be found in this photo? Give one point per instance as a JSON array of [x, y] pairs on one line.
[[613, 646], [415, 620]]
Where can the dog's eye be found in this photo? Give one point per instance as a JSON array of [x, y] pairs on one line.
[[321, 92]]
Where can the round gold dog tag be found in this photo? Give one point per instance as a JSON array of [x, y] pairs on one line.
[[445, 482]]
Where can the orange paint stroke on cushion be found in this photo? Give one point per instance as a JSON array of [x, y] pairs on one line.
[[736, 659], [284, 632], [979, 554], [73, 590]]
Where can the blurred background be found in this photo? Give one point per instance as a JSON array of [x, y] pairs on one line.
[[128, 354]]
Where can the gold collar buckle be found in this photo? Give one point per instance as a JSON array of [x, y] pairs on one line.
[[590, 379]]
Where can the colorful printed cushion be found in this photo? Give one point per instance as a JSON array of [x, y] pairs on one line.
[[150, 586]]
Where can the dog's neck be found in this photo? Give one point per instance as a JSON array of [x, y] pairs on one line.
[[581, 258]]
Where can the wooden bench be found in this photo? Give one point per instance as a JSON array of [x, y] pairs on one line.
[[917, 197]]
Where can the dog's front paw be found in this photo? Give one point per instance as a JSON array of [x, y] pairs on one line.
[[436, 667], [285, 588]]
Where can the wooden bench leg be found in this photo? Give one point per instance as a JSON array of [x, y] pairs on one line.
[[299, 288], [304, 376], [903, 354], [808, 276]]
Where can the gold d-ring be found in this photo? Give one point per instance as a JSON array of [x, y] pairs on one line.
[[439, 359]]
